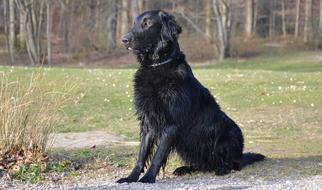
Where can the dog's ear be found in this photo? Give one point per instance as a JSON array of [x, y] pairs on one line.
[[170, 29]]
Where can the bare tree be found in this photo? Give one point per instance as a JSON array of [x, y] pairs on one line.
[[22, 29], [223, 22], [297, 18], [124, 17], [48, 29], [5, 17], [208, 18], [283, 18], [134, 9], [11, 29], [255, 13], [112, 25], [37, 23], [32, 34], [320, 26], [249, 18], [5, 24], [141, 6], [66, 17], [95, 25], [308, 21], [272, 19]]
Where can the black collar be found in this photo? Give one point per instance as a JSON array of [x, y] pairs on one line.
[[173, 56], [162, 63]]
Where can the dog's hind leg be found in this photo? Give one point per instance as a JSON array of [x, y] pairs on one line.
[[183, 170], [228, 157]]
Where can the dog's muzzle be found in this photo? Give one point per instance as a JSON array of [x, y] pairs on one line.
[[126, 39]]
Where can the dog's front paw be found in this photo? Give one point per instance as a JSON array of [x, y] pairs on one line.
[[127, 180], [147, 179]]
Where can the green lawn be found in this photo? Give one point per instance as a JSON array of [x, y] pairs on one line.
[[276, 99]]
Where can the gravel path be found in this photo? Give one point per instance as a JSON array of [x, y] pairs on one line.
[[192, 182]]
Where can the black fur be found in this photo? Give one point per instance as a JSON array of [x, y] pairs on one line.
[[175, 111]]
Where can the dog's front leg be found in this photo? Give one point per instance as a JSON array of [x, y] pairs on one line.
[[146, 144], [161, 155]]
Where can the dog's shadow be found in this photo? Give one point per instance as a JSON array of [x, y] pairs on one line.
[[288, 167]]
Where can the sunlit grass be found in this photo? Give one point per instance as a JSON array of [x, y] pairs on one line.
[[273, 60], [104, 97], [253, 94]]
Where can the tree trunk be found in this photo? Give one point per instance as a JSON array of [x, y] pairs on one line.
[[134, 9], [140, 6], [39, 23], [92, 14], [112, 25], [31, 44], [208, 19], [255, 13], [223, 24], [320, 26], [11, 30], [5, 5], [48, 30], [272, 19], [308, 21], [66, 22], [124, 17], [297, 19], [22, 29], [228, 10], [283, 19], [173, 6], [249, 18], [5, 15]]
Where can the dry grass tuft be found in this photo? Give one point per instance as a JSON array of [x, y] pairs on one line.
[[28, 116]]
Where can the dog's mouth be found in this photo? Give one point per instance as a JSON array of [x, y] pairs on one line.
[[133, 50], [129, 48], [138, 50]]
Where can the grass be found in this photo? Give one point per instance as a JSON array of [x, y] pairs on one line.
[[275, 98], [277, 59], [103, 97]]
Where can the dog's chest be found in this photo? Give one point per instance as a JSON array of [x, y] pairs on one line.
[[153, 96]]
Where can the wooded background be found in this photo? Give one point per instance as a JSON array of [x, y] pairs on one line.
[[61, 31]]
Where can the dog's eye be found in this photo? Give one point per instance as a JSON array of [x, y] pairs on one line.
[[146, 23]]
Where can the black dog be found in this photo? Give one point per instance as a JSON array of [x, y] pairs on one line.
[[175, 111]]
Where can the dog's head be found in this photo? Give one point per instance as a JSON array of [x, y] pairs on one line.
[[153, 36]]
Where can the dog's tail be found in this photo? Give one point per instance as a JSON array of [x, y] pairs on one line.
[[249, 158]]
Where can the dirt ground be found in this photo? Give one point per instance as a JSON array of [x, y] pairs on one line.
[[87, 139]]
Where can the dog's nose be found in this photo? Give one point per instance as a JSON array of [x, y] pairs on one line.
[[125, 40]]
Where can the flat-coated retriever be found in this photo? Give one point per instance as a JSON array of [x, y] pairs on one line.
[[176, 113]]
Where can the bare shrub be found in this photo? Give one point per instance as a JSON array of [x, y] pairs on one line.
[[29, 113]]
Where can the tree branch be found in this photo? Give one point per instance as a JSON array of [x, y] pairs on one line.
[[193, 24]]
